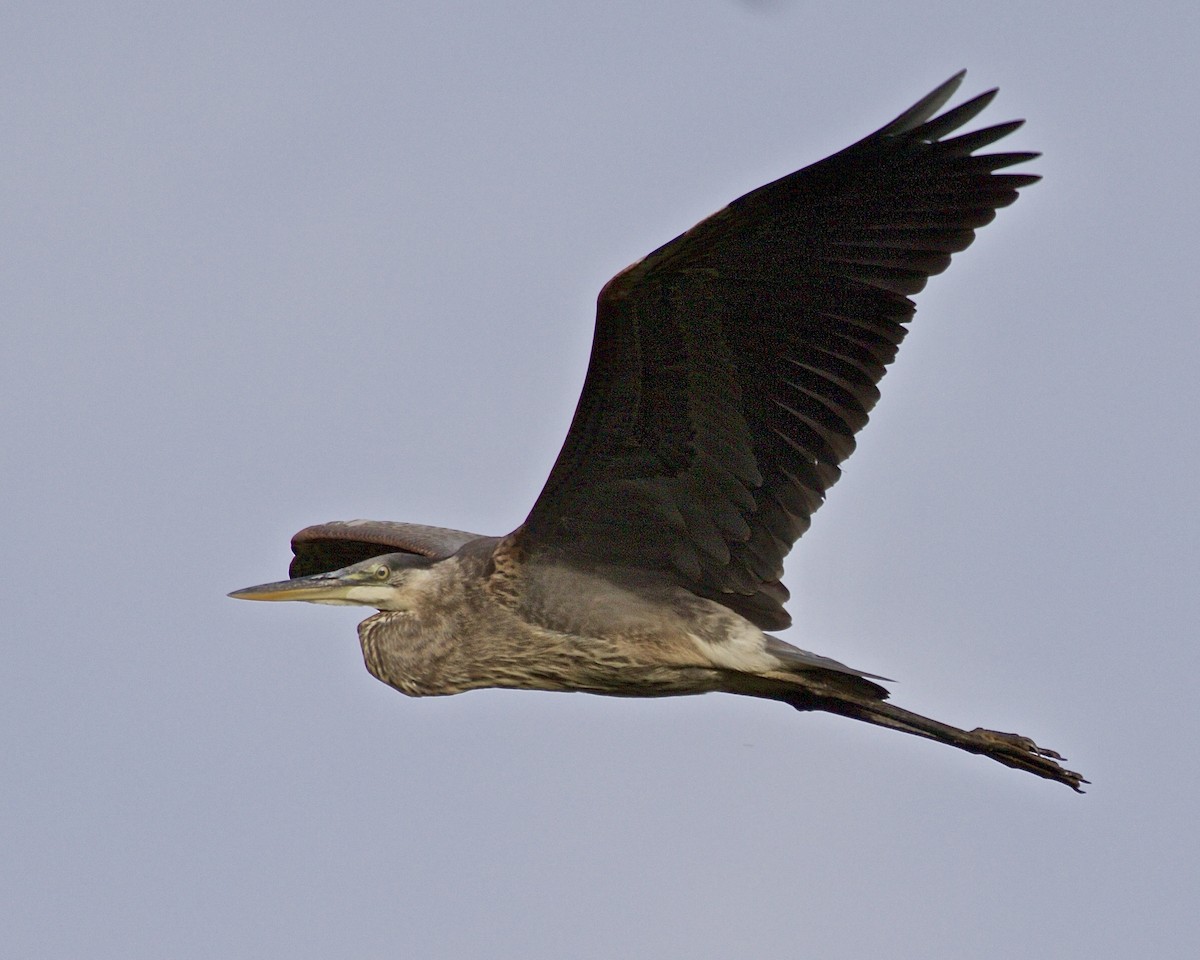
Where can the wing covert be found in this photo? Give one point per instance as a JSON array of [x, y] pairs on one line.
[[325, 547]]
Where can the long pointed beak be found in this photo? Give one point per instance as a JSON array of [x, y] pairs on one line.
[[335, 587]]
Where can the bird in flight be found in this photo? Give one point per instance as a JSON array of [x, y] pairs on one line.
[[729, 372]]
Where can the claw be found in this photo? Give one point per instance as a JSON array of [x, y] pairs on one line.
[[1014, 750]]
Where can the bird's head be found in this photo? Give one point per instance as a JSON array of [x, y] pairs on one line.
[[390, 582]]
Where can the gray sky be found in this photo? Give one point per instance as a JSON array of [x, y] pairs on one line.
[[269, 264]]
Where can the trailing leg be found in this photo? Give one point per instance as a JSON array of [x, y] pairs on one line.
[[1010, 749]]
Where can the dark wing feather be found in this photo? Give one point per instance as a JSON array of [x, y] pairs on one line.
[[331, 546], [732, 367]]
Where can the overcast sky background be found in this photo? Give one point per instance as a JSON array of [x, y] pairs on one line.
[[268, 264]]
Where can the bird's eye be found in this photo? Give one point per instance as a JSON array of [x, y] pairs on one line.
[[381, 571]]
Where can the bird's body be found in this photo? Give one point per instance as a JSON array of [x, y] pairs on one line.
[[477, 623], [731, 369], [485, 617]]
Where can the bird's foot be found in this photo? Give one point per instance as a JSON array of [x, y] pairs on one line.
[[1013, 750]]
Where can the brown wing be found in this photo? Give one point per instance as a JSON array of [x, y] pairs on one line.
[[331, 546], [732, 367]]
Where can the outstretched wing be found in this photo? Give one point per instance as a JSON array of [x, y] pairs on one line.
[[732, 367], [330, 546]]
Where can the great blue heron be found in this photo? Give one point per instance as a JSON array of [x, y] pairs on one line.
[[729, 373]]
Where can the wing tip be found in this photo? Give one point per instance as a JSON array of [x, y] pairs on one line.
[[925, 108]]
